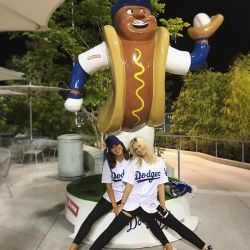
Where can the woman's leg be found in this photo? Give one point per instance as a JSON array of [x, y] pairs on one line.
[[153, 226], [120, 221], [181, 229], [101, 208]]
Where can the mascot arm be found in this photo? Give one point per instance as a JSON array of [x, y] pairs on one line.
[[88, 63], [94, 59], [200, 32], [199, 54], [180, 62], [78, 78]]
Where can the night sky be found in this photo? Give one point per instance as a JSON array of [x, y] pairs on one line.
[[232, 38]]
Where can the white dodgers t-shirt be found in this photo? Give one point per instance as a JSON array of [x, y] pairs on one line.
[[114, 176], [145, 180]]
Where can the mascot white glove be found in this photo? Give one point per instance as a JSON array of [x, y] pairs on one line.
[[73, 105]]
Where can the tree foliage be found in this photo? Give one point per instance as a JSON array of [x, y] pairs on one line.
[[174, 26], [75, 27], [199, 103], [214, 104], [235, 119], [49, 117]]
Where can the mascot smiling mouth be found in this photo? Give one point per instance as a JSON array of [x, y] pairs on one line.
[[138, 24]]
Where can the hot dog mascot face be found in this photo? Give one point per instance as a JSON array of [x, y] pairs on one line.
[[135, 23]]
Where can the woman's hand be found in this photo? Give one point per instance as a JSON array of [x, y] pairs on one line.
[[163, 206], [162, 210], [119, 209], [115, 209]]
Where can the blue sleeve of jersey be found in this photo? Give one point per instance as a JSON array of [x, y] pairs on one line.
[[78, 78], [199, 55]]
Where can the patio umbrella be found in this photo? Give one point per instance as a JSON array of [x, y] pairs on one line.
[[31, 90], [7, 74], [26, 15], [7, 92]]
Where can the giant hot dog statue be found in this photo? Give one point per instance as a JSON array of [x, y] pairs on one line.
[[138, 54]]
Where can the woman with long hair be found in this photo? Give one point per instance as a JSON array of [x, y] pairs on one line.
[[140, 149], [144, 179], [113, 171]]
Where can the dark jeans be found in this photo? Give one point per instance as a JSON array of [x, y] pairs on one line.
[[181, 229], [121, 221], [102, 207]]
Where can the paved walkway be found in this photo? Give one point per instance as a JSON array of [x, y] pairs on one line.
[[34, 219]]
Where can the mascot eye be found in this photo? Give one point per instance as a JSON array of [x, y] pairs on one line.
[[129, 12], [142, 11]]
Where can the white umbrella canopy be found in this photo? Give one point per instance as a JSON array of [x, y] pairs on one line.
[[31, 90], [26, 15], [7, 92], [7, 74]]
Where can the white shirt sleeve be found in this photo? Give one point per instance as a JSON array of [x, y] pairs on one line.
[[178, 62], [163, 178], [106, 173], [94, 59], [129, 175]]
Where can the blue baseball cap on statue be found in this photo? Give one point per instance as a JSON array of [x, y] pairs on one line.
[[122, 3], [111, 140]]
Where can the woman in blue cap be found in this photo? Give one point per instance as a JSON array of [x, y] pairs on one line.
[[113, 171]]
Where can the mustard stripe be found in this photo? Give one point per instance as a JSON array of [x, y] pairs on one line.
[[136, 76]]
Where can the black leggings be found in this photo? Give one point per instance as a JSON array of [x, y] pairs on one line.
[[102, 207], [181, 229], [121, 221]]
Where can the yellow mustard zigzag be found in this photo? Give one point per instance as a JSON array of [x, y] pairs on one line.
[[136, 76]]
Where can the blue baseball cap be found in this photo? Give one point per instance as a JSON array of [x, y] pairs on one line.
[[111, 140], [122, 3]]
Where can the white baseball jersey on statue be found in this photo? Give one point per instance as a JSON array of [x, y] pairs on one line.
[[114, 176], [178, 62], [145, 180]]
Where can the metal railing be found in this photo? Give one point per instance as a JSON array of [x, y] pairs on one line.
[[228, 149]]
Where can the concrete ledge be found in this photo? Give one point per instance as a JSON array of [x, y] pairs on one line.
[[215, 159], [135, 234], [92, 160]]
